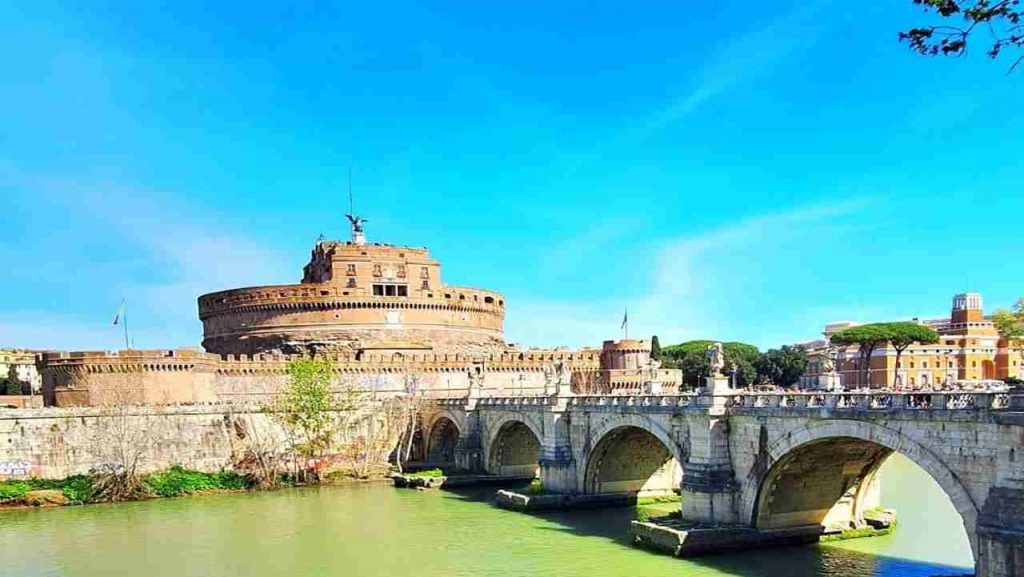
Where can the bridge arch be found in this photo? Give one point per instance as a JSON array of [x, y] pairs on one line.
[[631, 454], [514, 447], [810, 469], [442, 437]]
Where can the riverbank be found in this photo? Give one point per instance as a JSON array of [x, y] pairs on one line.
[[173, 482]]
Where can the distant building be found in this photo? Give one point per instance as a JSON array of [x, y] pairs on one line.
[[969, 349], [24, 364]]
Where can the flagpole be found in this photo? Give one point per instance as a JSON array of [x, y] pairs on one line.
[[125, 323]]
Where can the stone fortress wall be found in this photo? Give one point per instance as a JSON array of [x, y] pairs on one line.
[[191, 377]]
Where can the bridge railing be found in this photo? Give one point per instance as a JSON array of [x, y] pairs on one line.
[[676, 400], [847, 400], [880, 400]]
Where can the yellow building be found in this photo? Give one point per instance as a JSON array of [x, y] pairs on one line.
[[969, 352]]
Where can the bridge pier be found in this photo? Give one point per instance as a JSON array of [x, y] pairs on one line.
[[557, 463], [1001, 534], [709, 491]]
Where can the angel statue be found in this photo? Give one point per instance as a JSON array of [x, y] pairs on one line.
[[716, 359], [357, 222]]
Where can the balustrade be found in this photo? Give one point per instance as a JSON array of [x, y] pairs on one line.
[[866, 401]]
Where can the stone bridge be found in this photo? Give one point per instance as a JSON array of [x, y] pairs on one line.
[[776, 463]]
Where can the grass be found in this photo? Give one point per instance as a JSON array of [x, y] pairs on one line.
[[427, 474], [858, 533], [76, 489], [173, 482]]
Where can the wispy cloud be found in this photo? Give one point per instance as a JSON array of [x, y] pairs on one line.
[[691, 288], [742, 58], [184, 253]]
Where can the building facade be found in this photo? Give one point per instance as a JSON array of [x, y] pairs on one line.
[[970, 352]]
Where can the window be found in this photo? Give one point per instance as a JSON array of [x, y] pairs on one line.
[[351, 270], [924, 365], [425, 285], [401, 271], [351, 283], [390, 290], [376, 270], [424, 272]]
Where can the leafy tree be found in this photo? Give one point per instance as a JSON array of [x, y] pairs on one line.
[[904, 334], [783, 366], [655, 348], [1003, 19], [1010, 325], [867, 338], [12, 384], [307, 410]]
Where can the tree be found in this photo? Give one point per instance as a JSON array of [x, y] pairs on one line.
[[655, 348], [783, 366], [1003, 19], [11, 384], [123, 436], [1010, 325], [867, 338], [308, 410], [903, 334]]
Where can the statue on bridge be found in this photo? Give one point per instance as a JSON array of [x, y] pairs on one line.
[[716, 359]]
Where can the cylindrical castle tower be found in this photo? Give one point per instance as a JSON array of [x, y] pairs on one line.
[[627, 354]]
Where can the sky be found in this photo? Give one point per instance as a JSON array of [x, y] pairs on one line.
[[722, 170]]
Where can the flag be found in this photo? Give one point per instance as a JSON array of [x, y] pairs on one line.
[[625, 318], [120, 313]]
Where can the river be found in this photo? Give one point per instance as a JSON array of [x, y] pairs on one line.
[[378, 531]]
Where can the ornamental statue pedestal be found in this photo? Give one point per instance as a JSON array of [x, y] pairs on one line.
[[829, 382], [715, 393]]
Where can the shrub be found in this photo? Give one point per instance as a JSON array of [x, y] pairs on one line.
[[77, 489], [427, 474], [178, 481], [13, 491], [232, 481], [536, 487]]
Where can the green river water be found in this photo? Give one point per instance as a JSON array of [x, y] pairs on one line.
[[378, 531]]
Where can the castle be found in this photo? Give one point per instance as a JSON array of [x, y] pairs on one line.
[[383, 315]]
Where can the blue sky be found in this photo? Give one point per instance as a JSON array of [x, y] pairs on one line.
[[741, 171]]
